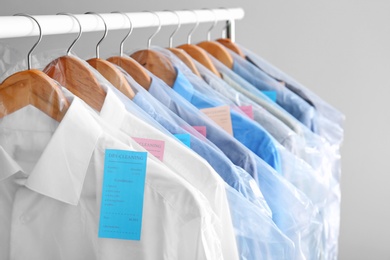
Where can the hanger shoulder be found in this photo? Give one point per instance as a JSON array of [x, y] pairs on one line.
[[78, 78], [156, 63], [134, 69], [218, 51], [200, 55], [184, 57], [113, 75], [32, 87], [231, 45]]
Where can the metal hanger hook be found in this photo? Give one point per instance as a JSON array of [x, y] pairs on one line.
[[213, 25], [128, 33], [104, 35], [193, 29], [157, 31], [78, 35], [176, 30], [36, 44]]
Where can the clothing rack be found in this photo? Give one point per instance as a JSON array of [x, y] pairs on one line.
[[63, 24]]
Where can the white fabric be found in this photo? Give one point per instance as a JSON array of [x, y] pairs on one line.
[[184, 162], [50, 191]]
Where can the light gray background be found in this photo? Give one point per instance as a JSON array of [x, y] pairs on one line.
[[340, 49]]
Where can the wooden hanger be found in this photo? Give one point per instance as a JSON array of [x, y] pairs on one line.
[[108, 70], [32, 87], [218, 51], [186, 59], [231, 45], [154, 61], [198, 53], [113, 75], [181, 54], [73, 74], [201, 56], [132, 67]]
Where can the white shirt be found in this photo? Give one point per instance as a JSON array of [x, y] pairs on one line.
[[50, 192], [184, 162]]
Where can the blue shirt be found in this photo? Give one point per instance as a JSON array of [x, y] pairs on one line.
[[287, 99], [248, 132], [292, 211]]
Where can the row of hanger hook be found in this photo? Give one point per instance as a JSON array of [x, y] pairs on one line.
[[129, 31]]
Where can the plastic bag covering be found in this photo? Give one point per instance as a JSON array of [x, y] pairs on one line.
[[325, 109], [246, 131], [294, 169], [329, 122], [297, 171], [235, 176], [287, 99], [316, 152], [252, 136], [317, 156], [8, 58], [207, 235], [256, 240], [292, 211], [330, 151]]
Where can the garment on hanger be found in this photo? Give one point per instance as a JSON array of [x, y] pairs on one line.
[[233, 175], [329, 125], [306, 146], [330, 167], [263, 174], [318, 157], [252, 136], [74, 150], [177, 157], [294, 169]]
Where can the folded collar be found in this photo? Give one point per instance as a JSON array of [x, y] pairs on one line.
[[60, 171], [8, 165], [113, 110]]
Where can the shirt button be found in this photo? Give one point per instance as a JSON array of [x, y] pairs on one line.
[[24, 219]]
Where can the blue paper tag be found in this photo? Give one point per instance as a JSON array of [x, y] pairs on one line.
[[270, 94], [184, 138], [122, 195]]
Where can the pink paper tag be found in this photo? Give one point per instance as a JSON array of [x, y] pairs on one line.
[[248, 110], [155, 147], [201, 129]]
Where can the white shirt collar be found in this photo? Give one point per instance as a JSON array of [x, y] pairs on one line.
[[113, 110], [60, 171]]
